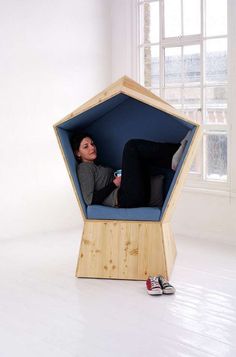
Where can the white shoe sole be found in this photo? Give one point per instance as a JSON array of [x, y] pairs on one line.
[[168, 292], [155, 292]]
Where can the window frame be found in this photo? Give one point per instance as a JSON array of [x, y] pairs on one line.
[[195, 180]]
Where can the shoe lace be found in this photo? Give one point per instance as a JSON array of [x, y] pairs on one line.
[[164, 282], [154, 282]]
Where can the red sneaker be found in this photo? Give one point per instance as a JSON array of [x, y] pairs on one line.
[[153, 286]]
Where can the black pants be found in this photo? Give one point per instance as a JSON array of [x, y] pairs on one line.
[[138, 156]]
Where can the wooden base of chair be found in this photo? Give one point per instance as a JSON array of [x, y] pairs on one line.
[[126, 250]]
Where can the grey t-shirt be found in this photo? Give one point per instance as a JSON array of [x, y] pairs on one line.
[[94, 177]]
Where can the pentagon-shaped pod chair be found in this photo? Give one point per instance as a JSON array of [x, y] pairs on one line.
[[129, 243]]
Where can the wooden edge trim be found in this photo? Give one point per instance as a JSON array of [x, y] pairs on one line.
[[117, 221], [159, 104], [131, 88], [182, 176], [102, 96]]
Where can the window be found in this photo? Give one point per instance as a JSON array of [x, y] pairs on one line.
[[183, 58]]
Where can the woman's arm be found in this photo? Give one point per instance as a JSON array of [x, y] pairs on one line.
[[87, 183], [100, 195]]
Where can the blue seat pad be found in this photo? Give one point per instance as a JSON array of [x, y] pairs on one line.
[[124, 214]]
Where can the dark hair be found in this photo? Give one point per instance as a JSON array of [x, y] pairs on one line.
[[76, 141]]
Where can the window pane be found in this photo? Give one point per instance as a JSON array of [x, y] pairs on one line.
[[174, 97], [216, 60], [191, 12], [149, 22], [150, 57], [216, 17], [192, 104], [172, 18], [154, 28], [141, 24], [192, 64], [216, 105], [173, 66], [216, 156], [196, 167], [194, 114], [192, 97]]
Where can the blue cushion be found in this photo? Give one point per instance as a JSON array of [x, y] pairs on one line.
[[126, 214]]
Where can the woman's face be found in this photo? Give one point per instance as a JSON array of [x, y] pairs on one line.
[[87, 151]]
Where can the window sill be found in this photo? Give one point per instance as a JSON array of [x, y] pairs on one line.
[[225, 192]]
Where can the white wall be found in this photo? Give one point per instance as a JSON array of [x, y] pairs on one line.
[[199, 214], [54, 55], [123, 43]]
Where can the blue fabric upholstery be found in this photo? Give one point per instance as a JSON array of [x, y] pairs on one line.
[[176, 175], [126, 214], [128, 119], [72, 163], [111, 124], [86, 118]]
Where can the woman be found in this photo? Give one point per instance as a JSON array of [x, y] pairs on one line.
[[98, 184]]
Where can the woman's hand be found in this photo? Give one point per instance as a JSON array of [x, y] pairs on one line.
[[117, 181]]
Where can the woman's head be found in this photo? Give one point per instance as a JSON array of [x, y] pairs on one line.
[[84, 147]]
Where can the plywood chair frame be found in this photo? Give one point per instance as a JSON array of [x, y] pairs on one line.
[[129, 249]]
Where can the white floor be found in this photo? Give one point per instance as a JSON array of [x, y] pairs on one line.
[[46, 311]]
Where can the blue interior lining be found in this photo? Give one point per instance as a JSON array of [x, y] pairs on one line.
[[84, 119], [111, 124], [72, 163]]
